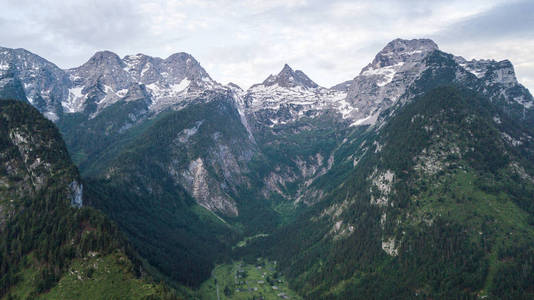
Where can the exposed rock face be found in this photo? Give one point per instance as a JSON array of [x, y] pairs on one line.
[[213, 176], [45, 85], [401, 51], [386, 78], [103, 67], [390, 247], [287, 97], [206, 190], [382, 184], [396, 75], [33, 158], [106, 79], [499, 72], [11, 87], [499, 82], [31, 163], [288, 78], [103, 80]]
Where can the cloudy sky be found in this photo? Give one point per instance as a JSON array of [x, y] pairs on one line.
[[243, 41]]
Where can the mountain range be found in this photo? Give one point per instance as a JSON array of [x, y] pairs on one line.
[[413, 179]]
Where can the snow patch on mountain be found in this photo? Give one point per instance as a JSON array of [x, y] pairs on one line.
[[298, 100], [168, 81], [367, 120], [291, 95], [177, 88], [385, 74], [75, 102]]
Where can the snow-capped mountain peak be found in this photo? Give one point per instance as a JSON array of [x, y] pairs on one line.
[[289, 78], [497, 71], [42, 81], [108, 79], [141, 67], [499, 79], [401, 51], [382, 82], [289, 96], [359, 101], [103, 67], [179, 79]]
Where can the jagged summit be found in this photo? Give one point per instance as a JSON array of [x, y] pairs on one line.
[[180, 56], [172, 70], [289, 78], [102, 61], [41, 80], [179, 64], [413, 44], [104, 68], [502, 71], [106, 79], [185, 63], [400, 51], [104, 57], [382, 82], [179, 78]]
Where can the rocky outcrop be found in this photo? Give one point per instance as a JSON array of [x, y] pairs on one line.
[[33, 158], [288, 78], [45, 85]]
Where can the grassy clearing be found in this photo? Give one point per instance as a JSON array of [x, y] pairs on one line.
[[108, 277], [245, 241], [465, 203], [247, 281], [94, 277]]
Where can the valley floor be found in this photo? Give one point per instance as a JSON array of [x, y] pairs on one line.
[[240, 280]]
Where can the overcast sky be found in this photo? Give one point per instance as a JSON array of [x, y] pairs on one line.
[[245, 41]]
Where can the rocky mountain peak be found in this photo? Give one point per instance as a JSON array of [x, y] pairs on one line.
[[399, 51], [182, 57], [187, 63], [102, 58], [103, 65], [382, 82], [501, 72], [41, 81], [289, 78], [104, 73]]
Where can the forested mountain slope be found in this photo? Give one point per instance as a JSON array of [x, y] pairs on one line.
[[51, 246], [148, 188], [439, 205]]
